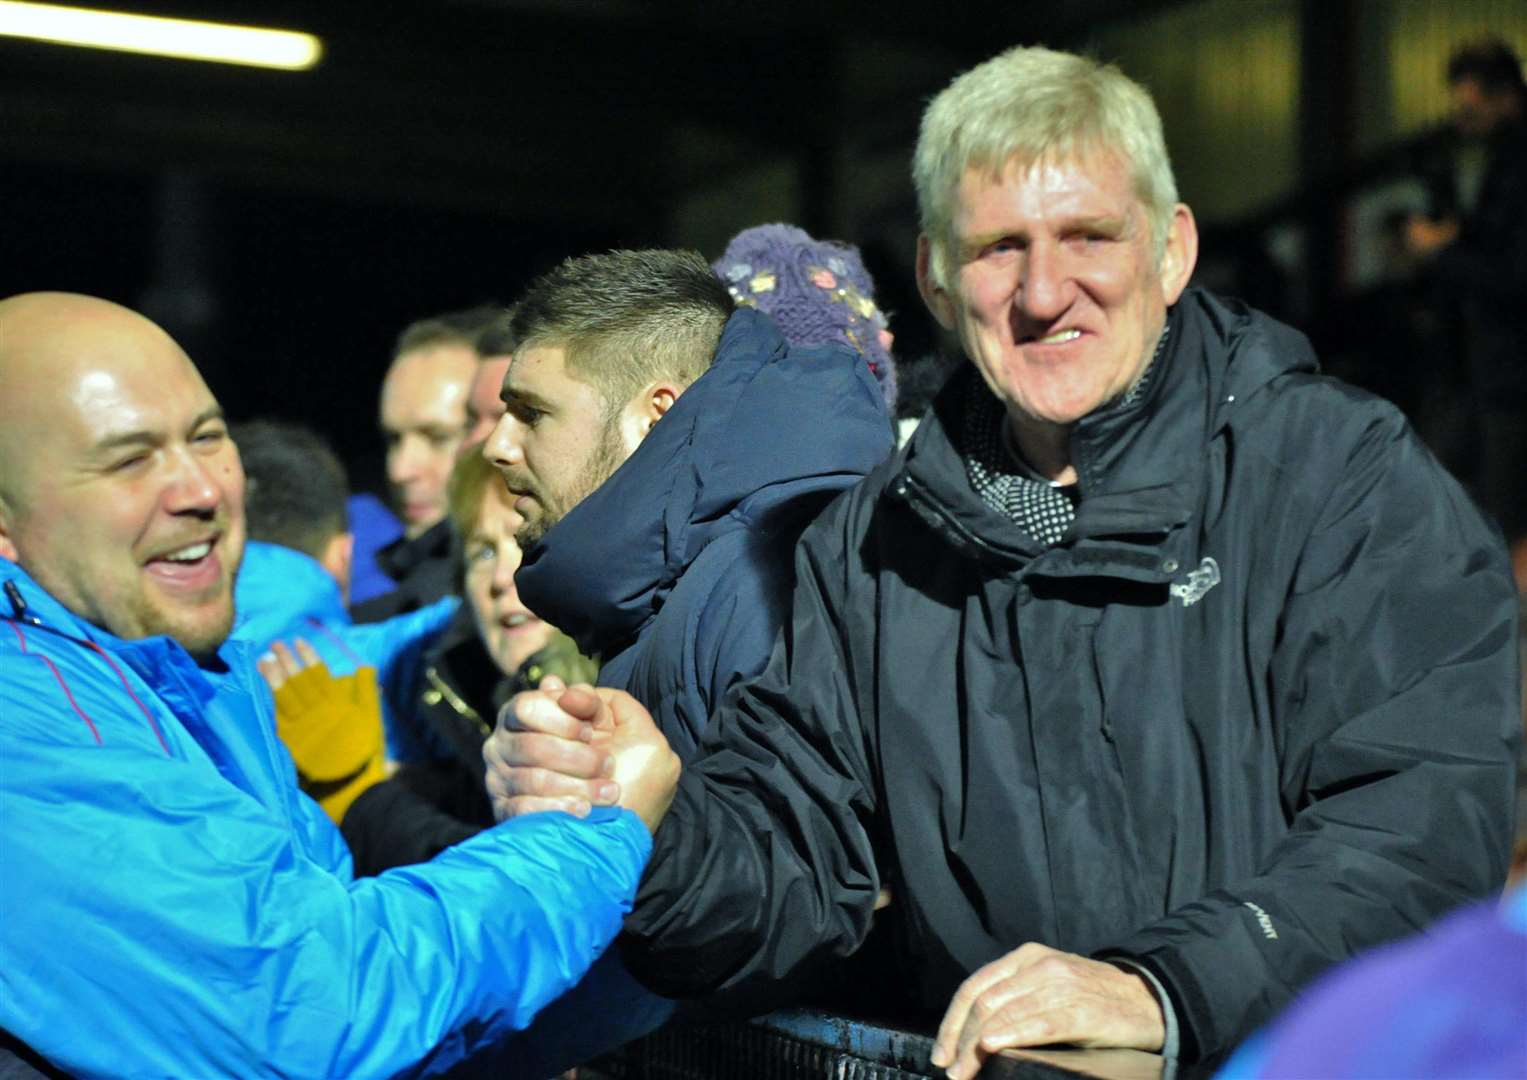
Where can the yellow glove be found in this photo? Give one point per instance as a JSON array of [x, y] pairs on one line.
[[331, 724]]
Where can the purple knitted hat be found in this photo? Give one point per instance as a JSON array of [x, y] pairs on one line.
[[817, 291]]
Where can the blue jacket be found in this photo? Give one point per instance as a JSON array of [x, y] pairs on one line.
[[677, 571], [282, 594], [173, 906], [374, 527]]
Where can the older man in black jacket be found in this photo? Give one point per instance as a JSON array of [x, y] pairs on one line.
[[1156, 674]]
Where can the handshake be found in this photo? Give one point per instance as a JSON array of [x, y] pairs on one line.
[[573, 748]]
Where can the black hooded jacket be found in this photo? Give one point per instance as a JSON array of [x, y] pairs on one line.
[[1256, 712]]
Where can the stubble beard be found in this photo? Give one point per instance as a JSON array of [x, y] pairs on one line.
[[203, 630], [606, 456]]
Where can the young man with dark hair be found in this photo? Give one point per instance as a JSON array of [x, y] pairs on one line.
[[665, 449], [290, 599], [295, 493]]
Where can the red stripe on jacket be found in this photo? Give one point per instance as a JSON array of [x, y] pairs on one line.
[[56, 674]]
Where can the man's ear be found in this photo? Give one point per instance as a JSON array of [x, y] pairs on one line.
[[7, 545], [658, 399], [646, 409], [339, 559], [934, 294], [1180, 254]]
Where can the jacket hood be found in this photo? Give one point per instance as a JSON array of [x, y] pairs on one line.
[[1258, 349], [1219, 355], [1138, 465], [765, 427], [280, 590]]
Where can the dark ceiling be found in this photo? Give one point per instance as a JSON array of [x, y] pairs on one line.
[[603, 110], [284, 227]]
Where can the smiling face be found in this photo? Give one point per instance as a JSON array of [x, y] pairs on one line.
[[424, 419], [1057, 293], [123, 495], [556, 443], [510, 631]]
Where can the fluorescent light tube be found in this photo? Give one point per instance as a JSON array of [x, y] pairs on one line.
[[186, 39]]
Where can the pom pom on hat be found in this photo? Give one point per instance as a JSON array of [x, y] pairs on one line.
[[817, 291]]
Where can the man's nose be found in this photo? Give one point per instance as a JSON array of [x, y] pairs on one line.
[[195, 483], [405, 458], [503, 446], [1045, 284]]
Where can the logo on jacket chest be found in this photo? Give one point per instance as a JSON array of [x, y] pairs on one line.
[[1198, 583]]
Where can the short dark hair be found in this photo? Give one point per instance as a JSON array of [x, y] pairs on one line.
[[296, 488], [628, 318], [452, 328], [499, 338], [1491, 64]]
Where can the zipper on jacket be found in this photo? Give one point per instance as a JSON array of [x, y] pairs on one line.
[[441, 691], [19, 605]]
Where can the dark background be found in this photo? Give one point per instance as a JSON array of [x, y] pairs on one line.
[[285, 226]]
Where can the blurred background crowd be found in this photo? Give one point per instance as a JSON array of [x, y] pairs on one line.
[[286, 225]]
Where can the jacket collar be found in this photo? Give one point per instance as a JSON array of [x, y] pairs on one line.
[[401, 556], [1140, 466], [160, 661]]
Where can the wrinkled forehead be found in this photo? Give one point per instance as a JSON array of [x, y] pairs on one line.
[[1060, 188], [1097, 166]]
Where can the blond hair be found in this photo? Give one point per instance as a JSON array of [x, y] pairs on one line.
[[1027, 105], [471, 479]]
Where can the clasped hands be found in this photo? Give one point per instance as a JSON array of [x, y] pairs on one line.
[[573, 748], [560, 748]]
